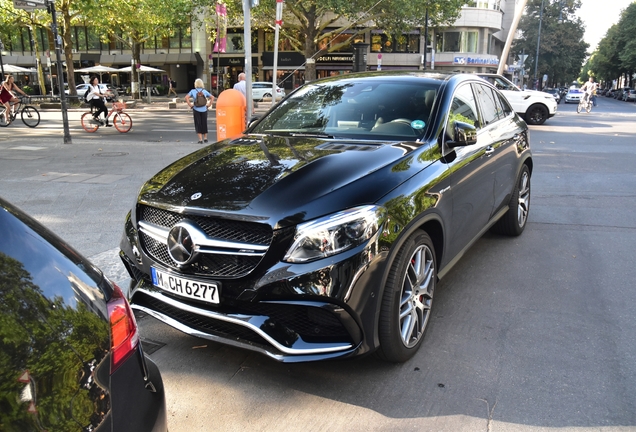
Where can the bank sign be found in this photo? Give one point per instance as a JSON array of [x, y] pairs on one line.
[[473, 61]]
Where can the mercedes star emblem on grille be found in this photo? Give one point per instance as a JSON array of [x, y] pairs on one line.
[[180, 245]]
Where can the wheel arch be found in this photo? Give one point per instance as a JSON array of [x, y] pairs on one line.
[[432, 224]]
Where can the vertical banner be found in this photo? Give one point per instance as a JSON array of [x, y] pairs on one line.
[[221, 28], [279, 23]]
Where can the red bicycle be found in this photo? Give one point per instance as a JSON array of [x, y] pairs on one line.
[[121, 120]]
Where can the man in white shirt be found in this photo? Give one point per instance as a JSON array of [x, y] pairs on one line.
[[241, 85]]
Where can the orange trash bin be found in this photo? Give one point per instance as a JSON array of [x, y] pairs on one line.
[[230, 114]]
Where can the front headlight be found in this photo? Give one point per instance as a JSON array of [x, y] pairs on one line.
[[335, 233]]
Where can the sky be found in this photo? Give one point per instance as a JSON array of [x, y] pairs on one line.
[[599, 16]]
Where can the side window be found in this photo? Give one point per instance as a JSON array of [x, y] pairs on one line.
[[463, 107], [505, 106], [488, 103]]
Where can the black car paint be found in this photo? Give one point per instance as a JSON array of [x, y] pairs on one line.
[[56, 329], [289, 180]]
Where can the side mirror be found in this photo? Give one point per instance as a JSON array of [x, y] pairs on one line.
[[253, 120], [463, 134]]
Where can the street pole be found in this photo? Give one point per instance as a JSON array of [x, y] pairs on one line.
[[247, 42], [536, 58], [1, 64], [60, 72], [425, 39]]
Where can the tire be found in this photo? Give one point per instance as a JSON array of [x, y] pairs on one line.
[[30, 116], [122, 122], [514, 221], [537, 114], [3, 123], [407, 300], [588, 107], [88, 124], [579, 108]]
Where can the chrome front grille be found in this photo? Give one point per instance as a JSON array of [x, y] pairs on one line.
[[210, 263], [248, 232]]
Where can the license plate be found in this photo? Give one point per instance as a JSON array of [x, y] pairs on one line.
[[196, 290]]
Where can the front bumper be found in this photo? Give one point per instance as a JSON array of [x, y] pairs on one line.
[[289, 312]]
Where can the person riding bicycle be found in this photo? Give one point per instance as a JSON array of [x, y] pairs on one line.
[[7, 97], [589, 88], [98, 101]]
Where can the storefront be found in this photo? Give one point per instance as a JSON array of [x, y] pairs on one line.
[[334, 64], [227, 69], [290, 69]]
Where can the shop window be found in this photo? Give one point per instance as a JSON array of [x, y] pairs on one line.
[[151, 43], [16, 41], [484, 4], [403, 43], [80, 42], [186, 37], [460, 42], [451, 41], [283, 43], [92, 39]]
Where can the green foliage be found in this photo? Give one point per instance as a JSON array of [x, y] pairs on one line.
[[27, 89], [616, 52], [562, 50], [307, 22]]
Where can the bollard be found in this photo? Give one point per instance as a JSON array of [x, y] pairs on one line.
[[230, 114]]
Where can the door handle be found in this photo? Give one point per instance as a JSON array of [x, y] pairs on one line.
[[489, 151]]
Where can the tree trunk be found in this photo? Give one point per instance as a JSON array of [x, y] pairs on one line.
[[311, 47], [36, 49], [134, 75], [68, 53]]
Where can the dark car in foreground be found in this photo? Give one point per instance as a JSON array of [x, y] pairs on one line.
[[70, 357], [321, 232]]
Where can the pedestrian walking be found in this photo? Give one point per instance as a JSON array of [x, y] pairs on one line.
[[199, 99], [172, 87]]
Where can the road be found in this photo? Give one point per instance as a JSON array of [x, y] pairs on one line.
[[529, 333]]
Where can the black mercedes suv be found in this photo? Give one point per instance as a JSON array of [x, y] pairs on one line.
[[321, 231]]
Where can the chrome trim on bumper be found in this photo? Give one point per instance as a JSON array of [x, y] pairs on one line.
[[242, 320], [203, 243]]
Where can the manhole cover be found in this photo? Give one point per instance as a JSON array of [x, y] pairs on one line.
[[110, 154]]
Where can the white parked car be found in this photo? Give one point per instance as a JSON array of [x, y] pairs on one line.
[[573, 95], [263, 89], [534, 106], [104, 88]]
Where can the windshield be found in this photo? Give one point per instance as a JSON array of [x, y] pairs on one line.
[[383, 109]]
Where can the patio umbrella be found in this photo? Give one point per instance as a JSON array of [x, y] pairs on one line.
[[141, 68], [98, 70], [15, 69]]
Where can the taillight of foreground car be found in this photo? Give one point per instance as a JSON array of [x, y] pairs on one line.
[[124, 336], [335, 233]]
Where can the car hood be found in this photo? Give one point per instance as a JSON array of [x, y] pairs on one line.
[[283, 180]]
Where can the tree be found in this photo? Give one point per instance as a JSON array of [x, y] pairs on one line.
[[134, 22], [311, 25], [15, 19], [562, 50]]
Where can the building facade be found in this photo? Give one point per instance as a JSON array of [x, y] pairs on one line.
[[473, 44]]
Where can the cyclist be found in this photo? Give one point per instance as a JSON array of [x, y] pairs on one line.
[[589, 88], [7, 97], [97, 100]]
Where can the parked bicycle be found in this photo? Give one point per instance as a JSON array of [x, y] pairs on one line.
[[121, 120], [585, 104], [30, 115]]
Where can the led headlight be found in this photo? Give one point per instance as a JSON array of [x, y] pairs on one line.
[[335, 233]]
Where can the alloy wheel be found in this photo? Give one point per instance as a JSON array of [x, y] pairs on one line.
[[417, 296], [524, 199]]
